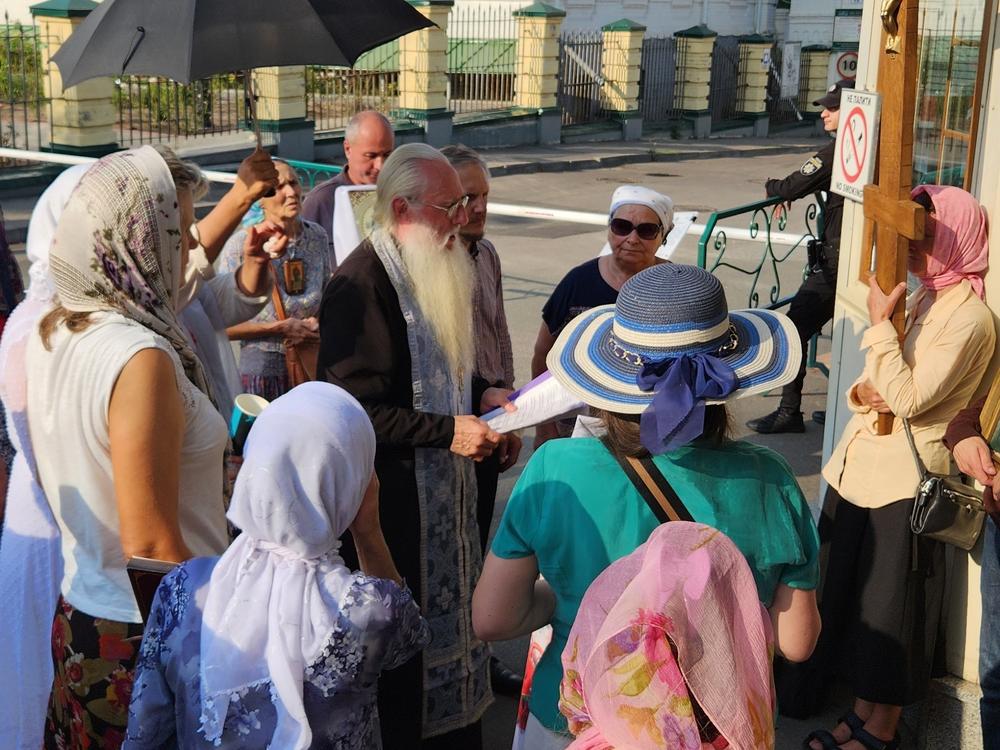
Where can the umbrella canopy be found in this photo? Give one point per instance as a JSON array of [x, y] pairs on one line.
[[191, 39]]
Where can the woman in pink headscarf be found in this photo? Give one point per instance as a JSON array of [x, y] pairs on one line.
[[883, 588], [671, 649]]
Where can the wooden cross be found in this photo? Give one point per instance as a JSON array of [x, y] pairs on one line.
[[891, 218]]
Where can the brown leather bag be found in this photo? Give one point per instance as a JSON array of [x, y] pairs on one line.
[[300, 359]]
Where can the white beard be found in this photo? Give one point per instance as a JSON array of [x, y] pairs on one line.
[[443, 282]]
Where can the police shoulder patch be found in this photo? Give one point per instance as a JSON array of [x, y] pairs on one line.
[[811, 166]]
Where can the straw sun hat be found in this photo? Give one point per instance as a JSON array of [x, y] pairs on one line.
[[671, 342]]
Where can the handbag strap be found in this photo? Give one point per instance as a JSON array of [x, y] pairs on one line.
[[279, 306], [913, 448], [654, 488]]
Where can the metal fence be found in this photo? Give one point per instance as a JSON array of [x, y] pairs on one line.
[[155, 110], [482, 55], [657, 80], [782, 110], [25, 111], [724, 98], [335, 94], [579, 88]]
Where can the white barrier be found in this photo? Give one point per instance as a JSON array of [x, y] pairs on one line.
[[497, 209]]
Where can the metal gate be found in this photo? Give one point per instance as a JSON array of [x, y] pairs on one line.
[[579, 88], [723, 90], [657, 79], [781, 110], [25, 111]]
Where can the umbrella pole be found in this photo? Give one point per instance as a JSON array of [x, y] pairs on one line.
[[252, 102]]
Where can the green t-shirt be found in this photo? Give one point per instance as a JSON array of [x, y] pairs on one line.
[[577, 512]]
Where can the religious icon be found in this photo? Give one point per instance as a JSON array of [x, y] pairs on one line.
[[295, 276]]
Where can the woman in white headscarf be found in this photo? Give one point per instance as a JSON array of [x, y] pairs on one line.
[[30, 559], [277, 643], [639, 221]]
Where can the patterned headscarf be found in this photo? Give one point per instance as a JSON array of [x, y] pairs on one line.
[[961, 249], [676, 622], [118, 248]]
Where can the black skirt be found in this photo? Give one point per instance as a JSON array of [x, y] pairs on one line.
[[881, 601]]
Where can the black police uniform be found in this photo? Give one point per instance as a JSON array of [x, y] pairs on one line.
[[812, 306]]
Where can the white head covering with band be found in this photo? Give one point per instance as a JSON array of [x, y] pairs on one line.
[[660, 204]]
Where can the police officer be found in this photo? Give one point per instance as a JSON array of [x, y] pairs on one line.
[[812, 306]]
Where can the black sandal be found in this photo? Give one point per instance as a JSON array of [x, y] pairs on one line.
[[825, 738], [871, 742]]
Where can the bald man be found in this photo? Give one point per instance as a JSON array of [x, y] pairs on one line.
[[368, 141]]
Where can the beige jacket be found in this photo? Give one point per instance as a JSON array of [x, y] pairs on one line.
[[942, 361]]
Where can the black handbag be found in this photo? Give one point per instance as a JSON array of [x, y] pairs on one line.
[[944, 507]]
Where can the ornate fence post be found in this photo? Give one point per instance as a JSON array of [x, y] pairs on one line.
[[621, 64], [695, 47], [423, 74], [83, 116], [281, 109], [755, 62], [813, 77], [536, 73]]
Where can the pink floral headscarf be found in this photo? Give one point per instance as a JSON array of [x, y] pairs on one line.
[[961, 248], [676, 620]]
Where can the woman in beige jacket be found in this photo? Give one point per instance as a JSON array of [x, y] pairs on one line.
[[883, 588]]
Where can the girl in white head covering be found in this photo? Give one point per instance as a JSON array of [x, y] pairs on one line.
[[277, 642], [30, 560]]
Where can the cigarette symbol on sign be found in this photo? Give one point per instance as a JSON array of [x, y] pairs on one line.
[[854, 148]]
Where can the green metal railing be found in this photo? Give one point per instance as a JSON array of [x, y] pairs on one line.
[[766, 219], [310, 173]]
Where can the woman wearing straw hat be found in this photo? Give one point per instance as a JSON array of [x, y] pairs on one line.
[[638, 224], [658, 376]]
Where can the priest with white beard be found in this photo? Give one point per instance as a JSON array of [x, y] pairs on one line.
[[396, 332]]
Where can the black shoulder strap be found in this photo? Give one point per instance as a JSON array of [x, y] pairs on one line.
[[654, 488]]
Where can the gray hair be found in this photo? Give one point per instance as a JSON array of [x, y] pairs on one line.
[[403, 176], [355, 123], [185, 174], [458, 154]]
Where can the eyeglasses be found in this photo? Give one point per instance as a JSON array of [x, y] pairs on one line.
[[451, 211], [647, 230]]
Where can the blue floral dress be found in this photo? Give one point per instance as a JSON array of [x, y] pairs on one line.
[[380, 628]]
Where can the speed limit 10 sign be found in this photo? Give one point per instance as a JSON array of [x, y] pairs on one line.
[[847, 65]]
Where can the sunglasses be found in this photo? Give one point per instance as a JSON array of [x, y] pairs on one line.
[[646, 230]]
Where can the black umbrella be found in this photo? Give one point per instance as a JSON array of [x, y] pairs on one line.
[[191, 39]]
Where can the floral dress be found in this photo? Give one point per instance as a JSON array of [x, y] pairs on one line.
[[380, 627], [262, 360]]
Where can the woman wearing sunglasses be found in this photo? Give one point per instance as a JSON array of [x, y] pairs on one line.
[[639, 221]]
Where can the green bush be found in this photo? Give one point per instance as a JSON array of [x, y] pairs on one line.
[[20, 64]]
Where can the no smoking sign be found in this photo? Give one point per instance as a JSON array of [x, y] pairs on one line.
[[857, 139]]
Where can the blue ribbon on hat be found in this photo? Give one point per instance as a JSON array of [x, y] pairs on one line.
[[680, 386]]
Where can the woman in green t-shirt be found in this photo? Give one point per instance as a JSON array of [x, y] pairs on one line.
[[657, 376]]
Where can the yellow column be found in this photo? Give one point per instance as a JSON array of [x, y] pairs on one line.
[[281, 109], [423, 73], [813, 73], [620, 65], [755, 62], [84, 115], [694, 67], [537, 68]]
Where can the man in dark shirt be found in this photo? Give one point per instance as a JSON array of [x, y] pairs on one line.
[[368, 141], [812, 306]]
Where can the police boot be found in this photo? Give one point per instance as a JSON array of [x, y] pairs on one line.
[[783, 419]]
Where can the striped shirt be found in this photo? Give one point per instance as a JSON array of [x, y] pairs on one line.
[[494, 355]]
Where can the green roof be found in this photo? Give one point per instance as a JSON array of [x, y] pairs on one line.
[[701, 31], [63, 8], [540, 10], [623, 24]]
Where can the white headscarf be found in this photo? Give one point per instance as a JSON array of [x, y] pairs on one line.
[[31, 566], [660, 204], [274, 596]]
